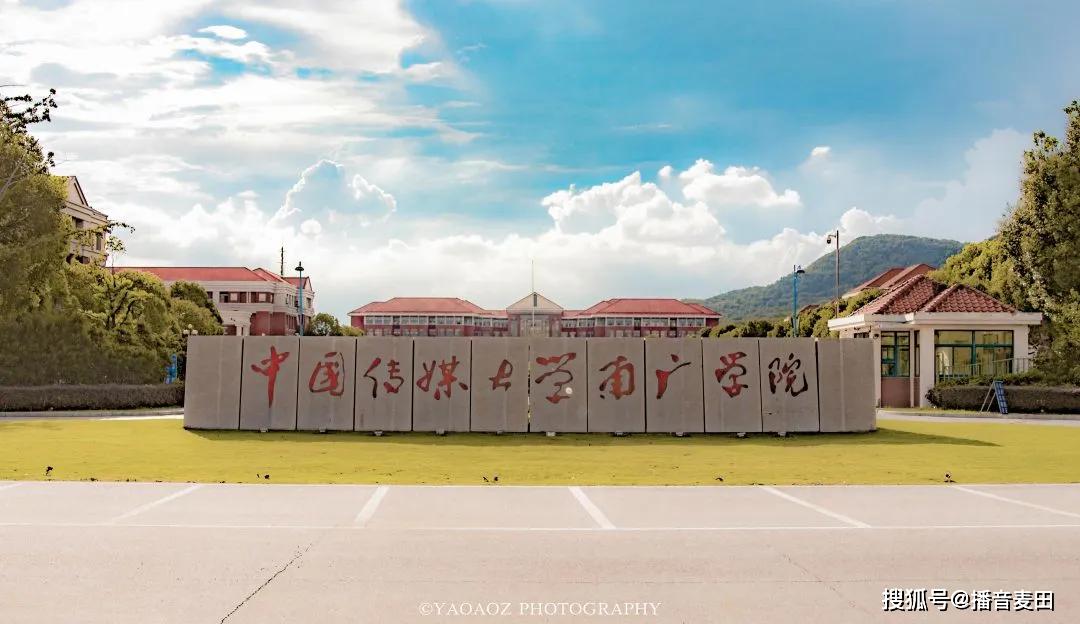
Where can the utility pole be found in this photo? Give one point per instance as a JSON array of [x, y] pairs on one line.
[[796, 271], [835, 236], [281, 271]]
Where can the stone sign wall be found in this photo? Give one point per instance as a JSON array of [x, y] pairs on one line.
[[662, 385]]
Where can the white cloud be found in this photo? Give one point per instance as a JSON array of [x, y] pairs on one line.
[[622, 238], [736, 186], [366, 36], [856, 222], [821, 151], [225, 32], [970, 207], [325, 191]]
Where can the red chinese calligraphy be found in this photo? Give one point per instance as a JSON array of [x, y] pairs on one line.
[[271, 366], [502, 376], [731, 363], [393, 370], [787, 372], [621, 379], [662, 376], [446, 380], [561, 361], [328, 375]]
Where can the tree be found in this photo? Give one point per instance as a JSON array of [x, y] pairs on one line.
[[193, 316], [984, 266], [1041, 237], [32, 237], [17, 114], [196, 294]]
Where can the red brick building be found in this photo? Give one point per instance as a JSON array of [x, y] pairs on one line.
[[533, 315], [252, 302]]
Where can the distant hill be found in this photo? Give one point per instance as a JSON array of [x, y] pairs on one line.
[[860, 260]]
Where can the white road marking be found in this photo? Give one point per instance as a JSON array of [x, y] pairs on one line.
[[299, 527], [594, 511], [818, 508], [10, 485], [370, 506], [152, 504], [1016, 501]]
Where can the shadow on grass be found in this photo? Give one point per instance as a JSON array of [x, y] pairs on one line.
[[874, 438]]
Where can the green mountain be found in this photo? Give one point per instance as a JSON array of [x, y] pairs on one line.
[[860, 260]]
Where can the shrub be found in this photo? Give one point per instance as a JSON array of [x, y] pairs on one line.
[[79, 397], [1020, 399]]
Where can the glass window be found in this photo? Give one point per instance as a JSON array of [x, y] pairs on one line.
[[986, 352], [952, 337], [994, 337], [895, 354]]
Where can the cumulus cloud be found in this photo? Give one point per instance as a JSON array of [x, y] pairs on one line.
[[821, 151], [225, 32], [626, 237], [326, 193], [736, 186], [970, 207]]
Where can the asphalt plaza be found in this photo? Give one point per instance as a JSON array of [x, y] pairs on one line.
[[181, 552]]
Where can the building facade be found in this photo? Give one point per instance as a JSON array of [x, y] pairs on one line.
[[925, 331], [88, 244], [252, 302], [533, 315]]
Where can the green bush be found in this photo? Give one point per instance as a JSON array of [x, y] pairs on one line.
[[78, 397], [1020, 399]]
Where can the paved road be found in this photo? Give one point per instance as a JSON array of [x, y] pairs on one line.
[[163, 552]]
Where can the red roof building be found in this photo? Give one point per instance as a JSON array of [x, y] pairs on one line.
[[254, 302], [533, 315], [890, 277], [926, 331]]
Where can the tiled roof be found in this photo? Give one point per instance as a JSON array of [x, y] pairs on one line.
[[906, 273], [208, 274], [647, 306], [892, 277], [878, 280], [922, 294], [295, 281], [959, 298], [421, 305]]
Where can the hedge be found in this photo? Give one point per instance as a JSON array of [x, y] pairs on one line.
[[1020, 399], [86, 397]]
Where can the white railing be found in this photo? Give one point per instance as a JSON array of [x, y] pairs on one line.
[[988, 369]]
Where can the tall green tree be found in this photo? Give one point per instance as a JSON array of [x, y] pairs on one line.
[[196, 294], [32, 236], [1041, 238]]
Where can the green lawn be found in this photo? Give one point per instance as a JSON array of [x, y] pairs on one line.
[[900, 452]]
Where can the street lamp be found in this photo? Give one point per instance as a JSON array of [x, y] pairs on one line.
[[796, 271], [300, 284], [835, 236]]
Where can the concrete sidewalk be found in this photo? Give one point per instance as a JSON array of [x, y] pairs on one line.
[[132, 414], [178, 552], [1068, 420]]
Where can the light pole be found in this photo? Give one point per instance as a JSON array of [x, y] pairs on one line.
[[300, 302], [796, 271], [835, 236]]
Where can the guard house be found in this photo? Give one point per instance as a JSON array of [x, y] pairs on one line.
[[925, 331]]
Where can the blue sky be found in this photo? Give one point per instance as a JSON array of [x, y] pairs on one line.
[[630, 148]]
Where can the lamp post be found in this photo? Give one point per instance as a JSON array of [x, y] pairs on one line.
[[835, 237], [796, 271], [300, 301]]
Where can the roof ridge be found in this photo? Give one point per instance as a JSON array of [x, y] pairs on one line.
[[933, 303], [894, 293], [939, 300]]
